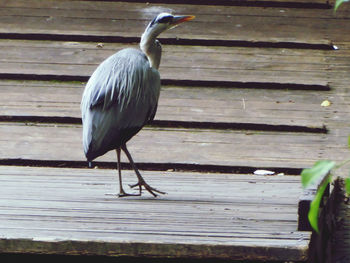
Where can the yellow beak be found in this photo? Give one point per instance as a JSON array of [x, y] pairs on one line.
[[180, 19]]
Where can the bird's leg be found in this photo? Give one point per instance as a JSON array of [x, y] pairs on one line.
[[141, 181], [122, 193], [121, 190]]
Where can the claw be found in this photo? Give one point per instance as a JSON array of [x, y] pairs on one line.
[[141, 182], [126, 194], [149, 188], [122, 193]]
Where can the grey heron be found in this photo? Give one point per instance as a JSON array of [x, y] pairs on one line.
[[121, 97]]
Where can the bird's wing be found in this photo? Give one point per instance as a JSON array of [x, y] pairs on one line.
[[153, 113], [121, 94], [124, 76], [104, 84]]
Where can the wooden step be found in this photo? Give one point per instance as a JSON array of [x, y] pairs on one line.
[[75, 211], [296, 109], [128, 20], [173, 145], [77, 61]]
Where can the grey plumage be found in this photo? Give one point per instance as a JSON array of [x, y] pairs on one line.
[[122, 95], [120, 105]]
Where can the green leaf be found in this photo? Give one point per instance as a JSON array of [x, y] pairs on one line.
[[347, 185], [320, 169], [315, 206], [339, 3]]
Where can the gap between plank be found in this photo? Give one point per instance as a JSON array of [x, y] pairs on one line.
[[167, 41], [178, 124], [246, 85], [183, 167], [180, 83]]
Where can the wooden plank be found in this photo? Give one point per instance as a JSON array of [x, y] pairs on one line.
[[180, 3], [198, 104], [117, 19], [339, 129], [129, 20], [78, 60], [175, 146], [339, 66], [56, 207]]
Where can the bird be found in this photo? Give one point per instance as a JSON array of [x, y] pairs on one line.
[[121, 97]]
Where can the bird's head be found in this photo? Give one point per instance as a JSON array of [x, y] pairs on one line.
[[149, 45], [163, 22]]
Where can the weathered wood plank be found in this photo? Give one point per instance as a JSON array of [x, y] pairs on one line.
[[79, 60], [182, 146], [129, 19], [202, 104], [339, 67], [338, 120], [75, 4], [54, 206]]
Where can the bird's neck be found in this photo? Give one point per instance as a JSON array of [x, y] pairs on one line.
[[152, 48]]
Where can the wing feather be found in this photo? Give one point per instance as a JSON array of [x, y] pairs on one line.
[[119, 99]]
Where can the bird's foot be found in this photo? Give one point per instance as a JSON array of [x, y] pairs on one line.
[[149, 188], [124, 194]]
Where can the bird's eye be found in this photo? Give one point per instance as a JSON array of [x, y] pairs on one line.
[[165, 19]]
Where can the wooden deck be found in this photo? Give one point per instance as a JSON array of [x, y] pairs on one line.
[[76, 211], [242, 87]]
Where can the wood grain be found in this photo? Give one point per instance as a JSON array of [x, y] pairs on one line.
[[45, 209], [225, 64], [188, 146], [129, 20], [204, 215], [187, 104]]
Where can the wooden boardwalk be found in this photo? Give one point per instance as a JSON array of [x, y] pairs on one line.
[[242, 87], [75, 211]]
